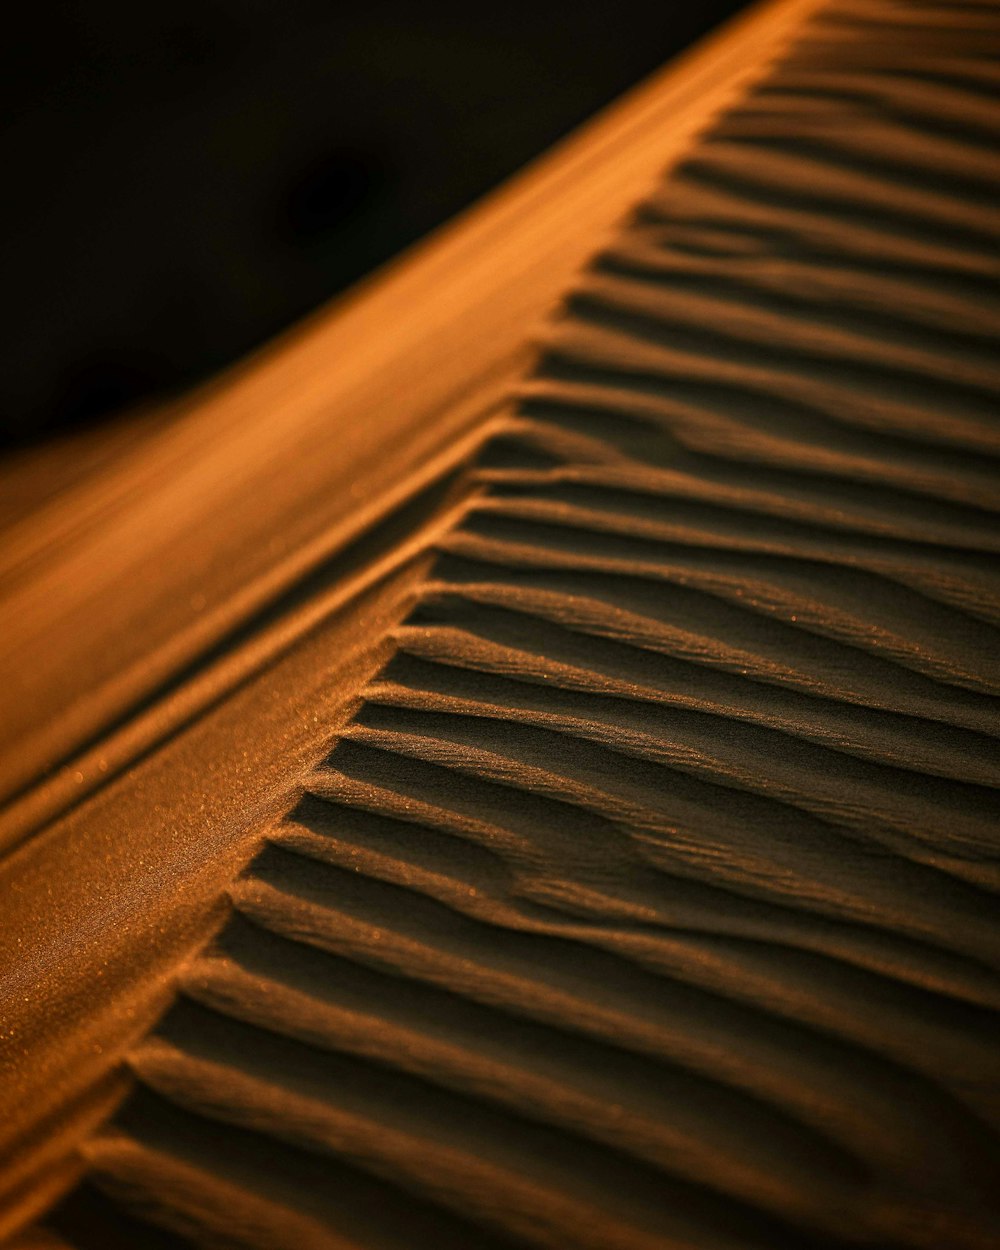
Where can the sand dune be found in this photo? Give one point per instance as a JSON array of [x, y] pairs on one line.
[[650, 896]]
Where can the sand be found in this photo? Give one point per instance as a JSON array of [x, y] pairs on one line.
[[647, 897]]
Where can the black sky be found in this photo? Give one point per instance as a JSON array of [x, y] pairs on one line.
[[184, 180]]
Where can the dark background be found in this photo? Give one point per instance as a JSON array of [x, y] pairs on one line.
[[183, 180]]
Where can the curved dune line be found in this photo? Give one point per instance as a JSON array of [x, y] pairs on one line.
[[648, 898]]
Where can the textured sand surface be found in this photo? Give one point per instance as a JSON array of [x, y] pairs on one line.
[[649, 898], [189, 617]]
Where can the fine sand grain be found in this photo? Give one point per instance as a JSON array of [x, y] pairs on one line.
[[649, 898]]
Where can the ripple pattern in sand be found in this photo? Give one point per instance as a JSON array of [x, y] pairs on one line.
[[650, 899]]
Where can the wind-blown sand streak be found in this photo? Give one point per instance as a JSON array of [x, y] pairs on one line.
[[650, 897]]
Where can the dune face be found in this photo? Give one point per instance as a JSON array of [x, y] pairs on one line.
[[648, 896]]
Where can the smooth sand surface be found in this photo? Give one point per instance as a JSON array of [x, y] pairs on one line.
[[649, 897]]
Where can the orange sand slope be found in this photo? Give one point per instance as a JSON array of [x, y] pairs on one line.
[[648, 898]]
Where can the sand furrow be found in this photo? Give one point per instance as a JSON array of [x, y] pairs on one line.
[[554, 658], [854, 298], [742, 971], [906, 628], [968, 583], [744, 408], [564, 983], [835, 507], [952, 257], [924, 109], [408, 840], [589, 1086], [744, 329], [709, 631], [452, 1150]]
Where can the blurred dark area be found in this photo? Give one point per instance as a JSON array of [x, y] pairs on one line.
[[183, 180]]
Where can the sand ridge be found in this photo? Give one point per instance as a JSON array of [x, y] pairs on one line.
[[649, 897]]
